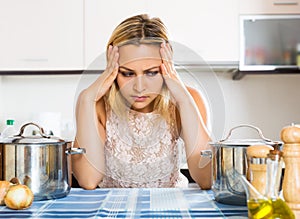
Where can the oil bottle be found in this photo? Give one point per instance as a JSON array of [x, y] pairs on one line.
[[271, 206]]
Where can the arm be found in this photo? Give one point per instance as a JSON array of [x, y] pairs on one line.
[[199, 167], [89, 169], [193, 117]]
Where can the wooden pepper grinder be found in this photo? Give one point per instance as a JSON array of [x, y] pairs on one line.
[[257, 155], [290, 135]]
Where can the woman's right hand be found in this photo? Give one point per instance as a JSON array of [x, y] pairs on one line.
[[90, 133], [99, 88]]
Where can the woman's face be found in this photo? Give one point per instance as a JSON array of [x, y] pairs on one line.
[[139, 78]]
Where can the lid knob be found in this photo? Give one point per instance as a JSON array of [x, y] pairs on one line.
[[290, 134]]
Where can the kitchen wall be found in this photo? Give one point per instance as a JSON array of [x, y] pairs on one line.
[[210, 27], [269, 102], [26, 98]]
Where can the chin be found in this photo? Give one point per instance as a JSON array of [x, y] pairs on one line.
[[141, 107]]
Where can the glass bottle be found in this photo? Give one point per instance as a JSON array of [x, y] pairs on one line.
[[272, 206], [9, 130], [298, 55], [274, 170]]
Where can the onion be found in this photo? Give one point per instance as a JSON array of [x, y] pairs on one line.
[[18, 197], [4, 186]]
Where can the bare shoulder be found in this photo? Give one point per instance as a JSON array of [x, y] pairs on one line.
[[101, 112], [200, 102]]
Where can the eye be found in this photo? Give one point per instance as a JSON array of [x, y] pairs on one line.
[[152, 73], [127, 73]]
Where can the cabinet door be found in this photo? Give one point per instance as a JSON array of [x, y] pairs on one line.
[[101, 17], [210, 28], [269, 6], [41, 35]]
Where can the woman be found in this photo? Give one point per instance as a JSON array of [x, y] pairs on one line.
[[132, 118]]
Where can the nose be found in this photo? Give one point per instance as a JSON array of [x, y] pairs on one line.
[[139, 84]]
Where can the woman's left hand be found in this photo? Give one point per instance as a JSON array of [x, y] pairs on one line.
[[170, 75]]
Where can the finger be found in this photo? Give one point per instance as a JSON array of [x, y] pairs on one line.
[[115, 71], [164, 55], [168, 52], [113, 59], [109, 50], [111, 77], [115, 67], [169, 49], [164, 70], [107, 83], [111, 54], [165, 61]]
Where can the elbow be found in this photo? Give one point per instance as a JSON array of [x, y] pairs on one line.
[[87, 183], [205, 185], [88, 186], [203, 177], [86, 176]]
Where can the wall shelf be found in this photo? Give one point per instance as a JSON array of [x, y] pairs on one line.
[[237, 75]]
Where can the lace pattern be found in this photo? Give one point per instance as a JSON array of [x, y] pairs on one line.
[[141, 151]]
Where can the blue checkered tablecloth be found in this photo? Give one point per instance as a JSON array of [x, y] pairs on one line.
[[130, 203]]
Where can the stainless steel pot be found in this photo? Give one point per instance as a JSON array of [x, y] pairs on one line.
[[40, 162], [229, 155]]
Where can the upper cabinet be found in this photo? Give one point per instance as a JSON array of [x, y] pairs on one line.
[[41, 35], [207, 28], [72, 34], [101, 17], [269, 6]]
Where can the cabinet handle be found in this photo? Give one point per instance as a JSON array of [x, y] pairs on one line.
[[284, 3]]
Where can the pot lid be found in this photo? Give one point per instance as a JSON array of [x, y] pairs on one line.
[[34, 139], [245, 142]]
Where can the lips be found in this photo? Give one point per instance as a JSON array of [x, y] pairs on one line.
[[139, 98]]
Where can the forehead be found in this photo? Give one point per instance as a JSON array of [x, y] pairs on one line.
[[130, 53]]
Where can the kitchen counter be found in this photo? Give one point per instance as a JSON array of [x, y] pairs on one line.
[[130, 203]]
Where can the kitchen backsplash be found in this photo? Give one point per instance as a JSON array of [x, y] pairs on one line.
[[266, 101]]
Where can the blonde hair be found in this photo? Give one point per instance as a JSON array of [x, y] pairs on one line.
[[139, 29]]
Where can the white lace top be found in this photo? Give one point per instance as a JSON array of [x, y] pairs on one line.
[[142, 151]]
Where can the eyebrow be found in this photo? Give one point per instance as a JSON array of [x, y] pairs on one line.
[[128, 69]]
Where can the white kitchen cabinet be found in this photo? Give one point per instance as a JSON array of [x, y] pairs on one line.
[[269, 6], [41, 35], [101, 17], [208, 28]]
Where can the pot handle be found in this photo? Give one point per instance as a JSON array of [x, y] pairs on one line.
[[249, 126], [206, 153], [71, 151], [41, 130]]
